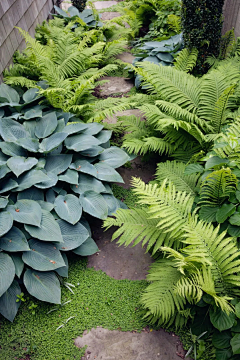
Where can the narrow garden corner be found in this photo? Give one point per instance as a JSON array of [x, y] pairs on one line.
[[119, 184]]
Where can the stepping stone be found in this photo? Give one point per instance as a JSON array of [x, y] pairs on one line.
[[99, 5], [65, 5], [113, 119], [115, 85], [109, 15], [126, 57], [104, 344]]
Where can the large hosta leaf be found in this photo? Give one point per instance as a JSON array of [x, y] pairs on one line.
[[31, 95], [52, 142], [11, 130], [48, 230], [73, 235], [81, 142], [107, 173], [112, 203], [9, 94], [46, 205], [57, 164], [68, 208], [19, 164], [70, 176], [93, 128], [8, 305], [89, 247], [75, 128], [26, 212], [31, 178], [31, 194], [19, 264], [104, 136], [4, 170], [46, 125], [7, 272], [6, 222], [3, 202], [92, 151], [94, 204], [114, 157], [52, 181], [88, 183], [85, 167], [28, 144], [63, 271], [14, 241], [12, 149], [7, 184], [43, 256], [44, 286]]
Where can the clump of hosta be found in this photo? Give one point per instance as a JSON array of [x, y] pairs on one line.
[[52, 171]]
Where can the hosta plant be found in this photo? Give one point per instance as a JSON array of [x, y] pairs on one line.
[[73, 13], [52, 172]]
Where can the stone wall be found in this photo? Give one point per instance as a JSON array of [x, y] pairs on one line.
[[25, 14], [231, 12]]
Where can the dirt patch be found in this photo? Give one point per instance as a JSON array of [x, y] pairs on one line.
[[110, 15], [115, 85], [99, 5], [126, 57]]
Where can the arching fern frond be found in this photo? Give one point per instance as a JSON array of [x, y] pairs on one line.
[[186, 60]]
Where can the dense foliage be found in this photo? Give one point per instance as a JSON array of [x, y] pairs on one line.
[[53, 169], [79, 4]]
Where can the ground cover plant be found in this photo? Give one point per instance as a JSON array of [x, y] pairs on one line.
[[52, 172]]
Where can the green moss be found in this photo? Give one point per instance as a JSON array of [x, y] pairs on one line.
[[125, 195]]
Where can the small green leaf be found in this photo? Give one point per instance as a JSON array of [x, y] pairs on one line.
[[221, 320], [221, 340], [235, 219], [224, 212], [193, 169], [237, 310], [235, 343], [215, 161]]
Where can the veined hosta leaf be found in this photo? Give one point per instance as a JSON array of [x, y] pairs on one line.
[[46, 125], [31, 194], [73, 235], [11, 130], [52, 181], [47, 231], [19, 164], [87, 183], [9, 94], [4, 170], [60, 126], [70, 176], [31, 178], [31, 95], [89, 247], [50, 196], [84, 166], [107, 173], [30, 126], [52, 142], [8, 305], [44, 286], [57, 164], [112, 203], [68, 208], [3, 202], [3, 158], [43, 256], [80, 142], [63, 271], [85, 223], [46, 205], [93, 128], [92, 151], [32, 114], [26, 212], [7, 184], [7, 272], [114, 157], [12, 149], [75, 128], [6, 222], [19, 264], [108, 189], [94, 204], [28, 144], [14, 241], [104, 135]]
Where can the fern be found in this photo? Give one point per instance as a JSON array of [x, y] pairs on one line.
[[186, 60], [174, 23]]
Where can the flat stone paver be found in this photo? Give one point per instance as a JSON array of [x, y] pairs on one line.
[[115, 85], [65, 5], [104, 344], [113, 119], [99, 5], [126, 57], [109, 15]]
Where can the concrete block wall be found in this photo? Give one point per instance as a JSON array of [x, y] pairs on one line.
[[22, 13], [231, 13]]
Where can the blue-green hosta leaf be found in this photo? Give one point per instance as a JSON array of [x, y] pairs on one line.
[[43, 256], [46, 125], [31, 194], [81, 142], [57, 164], [84, 166], [14, 241], [11, 149], [221, 320], [11, 130], [73, 11], [52, 142], [3, 202], [32, 114], [4, 170], [104, 135], [8, 305], [94, 204], [19, 264], [31, 178], [28, 144], [7, 272], [47, 231], [114, 157], [2, 112], [107, 173], [41, 163], [70, 176], [26, 212], [92, 151], [60, 126], [7, 184], [89, 247], [3, 158], [108, 189], [19, 164], [73, 235], [224, 212], [9, 94], [112, 203], [68, 208], [152, 59], [30, 126], [63, 271], [87, 183], [61, 12], [6, 222], [93, 128], [50, 196], [46, 205], [74, 128], [85, 223], [166, 57], [31, 95], [44, 286], [52, 181]]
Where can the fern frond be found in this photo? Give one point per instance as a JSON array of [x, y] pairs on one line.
[[174, 23], [186, 60], [20, 81], [142, 146]]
